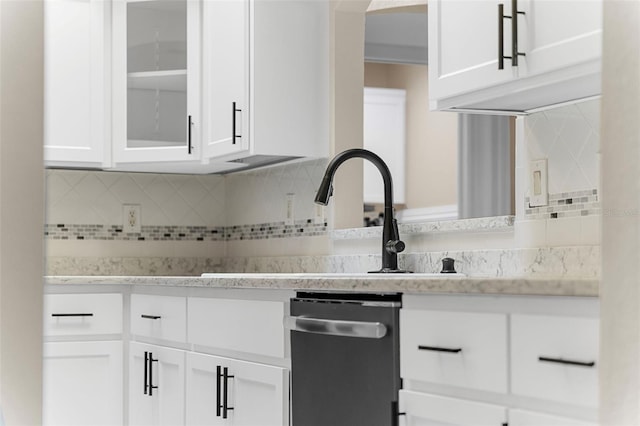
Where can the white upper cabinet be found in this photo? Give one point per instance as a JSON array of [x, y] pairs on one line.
[[463, 47], [76, 85], [185, 86], [156, 75], [226, 83], [551, 53], [266, 80]]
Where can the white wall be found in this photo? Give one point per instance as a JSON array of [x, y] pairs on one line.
[[619, 291], [21, 210]]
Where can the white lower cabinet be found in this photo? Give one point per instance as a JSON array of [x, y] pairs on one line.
[[531, 418], [233, 392], [506, 360], [422, 409], [82, 383], [156, 385]]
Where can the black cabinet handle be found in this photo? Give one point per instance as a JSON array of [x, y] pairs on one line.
[[151, 385], [146, 376], [225, 383], [439, 349], [153, 317], [234, 110], [222, 391], [567, 361], [218, 391], [514, 34], [501, 36], [189, 124], [72, 315]]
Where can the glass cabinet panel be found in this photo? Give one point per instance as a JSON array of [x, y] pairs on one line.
[[157, 112]]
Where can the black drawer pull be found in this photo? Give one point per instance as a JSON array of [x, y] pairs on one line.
[[566, 361], [73, 315], [439, 349], [153, 317]]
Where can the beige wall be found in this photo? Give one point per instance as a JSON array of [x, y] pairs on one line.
[[21, 210], [431, 156], [347, 91]]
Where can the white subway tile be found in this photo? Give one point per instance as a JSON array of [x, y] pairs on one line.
[[563, 232]]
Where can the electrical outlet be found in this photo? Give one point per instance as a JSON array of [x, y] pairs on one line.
[[131, 218], [539, 188], [289, 210]]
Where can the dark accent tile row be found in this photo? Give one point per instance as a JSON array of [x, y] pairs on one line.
[[300, 228]]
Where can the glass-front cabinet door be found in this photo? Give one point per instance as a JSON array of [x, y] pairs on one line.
[[156, 46]]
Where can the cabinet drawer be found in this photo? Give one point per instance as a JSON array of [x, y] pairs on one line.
[[253, 326], [82, 314], [454, 348], [161, 317], [531, 418], [424, 409], [555, 358]]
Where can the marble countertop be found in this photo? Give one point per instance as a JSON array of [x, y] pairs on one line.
[[405, 283], [483, 224]]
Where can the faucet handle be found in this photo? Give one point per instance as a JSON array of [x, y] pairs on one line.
[[394, 246]]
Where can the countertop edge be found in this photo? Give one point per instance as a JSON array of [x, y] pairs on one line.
[[538, 286]]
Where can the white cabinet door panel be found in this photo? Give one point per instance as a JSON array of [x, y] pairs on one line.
[[384, 134], [226, 77], [463, 47], [75, 81], [431, 410], [559, 34], [82, 383], [163, 405], [258, 394]]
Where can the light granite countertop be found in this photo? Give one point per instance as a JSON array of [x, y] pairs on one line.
[[405, 283]]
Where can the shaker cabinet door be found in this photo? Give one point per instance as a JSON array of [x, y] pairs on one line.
[[156, 385], [226, 77], [75, 82], [82, 383], [463, 46], [250, 394]]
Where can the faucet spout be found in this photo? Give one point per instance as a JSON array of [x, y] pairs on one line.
[[391, 244]]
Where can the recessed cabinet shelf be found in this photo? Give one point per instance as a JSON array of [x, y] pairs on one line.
[[172, 81]]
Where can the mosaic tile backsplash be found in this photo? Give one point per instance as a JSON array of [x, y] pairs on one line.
[[88, 205], [566, 204], [303, 228]]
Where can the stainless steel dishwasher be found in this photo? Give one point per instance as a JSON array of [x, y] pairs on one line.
[[345, 362]]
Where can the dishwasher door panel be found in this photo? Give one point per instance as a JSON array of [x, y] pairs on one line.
[[338, 380]]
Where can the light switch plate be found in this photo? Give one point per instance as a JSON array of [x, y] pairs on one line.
[[289, 219], [539, 187]]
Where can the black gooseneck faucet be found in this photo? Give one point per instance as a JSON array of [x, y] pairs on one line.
[[391, 244]]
